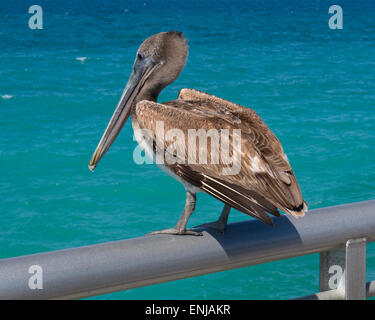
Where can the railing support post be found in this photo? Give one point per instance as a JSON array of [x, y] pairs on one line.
[[344, 270], [355, 272]]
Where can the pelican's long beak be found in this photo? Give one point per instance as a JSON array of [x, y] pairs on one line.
[[141, 71]]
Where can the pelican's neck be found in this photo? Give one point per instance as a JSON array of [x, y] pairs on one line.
[[144, 95], [147, 95]]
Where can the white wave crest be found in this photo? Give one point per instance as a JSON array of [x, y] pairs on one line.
[[82, 59]]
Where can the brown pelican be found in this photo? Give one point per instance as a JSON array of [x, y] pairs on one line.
[[263, 180]]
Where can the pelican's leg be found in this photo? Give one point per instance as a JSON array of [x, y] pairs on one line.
[[180, 227], [221, 223]]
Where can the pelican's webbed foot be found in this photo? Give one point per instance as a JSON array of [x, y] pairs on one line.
[[177, 232], [180, 228]]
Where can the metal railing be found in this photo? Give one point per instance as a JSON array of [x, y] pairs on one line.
[[339, 233]]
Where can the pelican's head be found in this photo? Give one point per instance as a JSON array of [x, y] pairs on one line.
[[159, 61]]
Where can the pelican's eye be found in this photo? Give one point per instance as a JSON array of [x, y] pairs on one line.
[[139, 61], [140, 55]]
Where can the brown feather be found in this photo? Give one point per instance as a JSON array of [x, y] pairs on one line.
[[253, 191]]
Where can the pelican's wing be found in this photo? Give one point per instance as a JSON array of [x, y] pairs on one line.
[[256, 187], [267, 143], [261, 135]]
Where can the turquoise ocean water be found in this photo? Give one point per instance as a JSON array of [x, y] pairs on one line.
[[313, 86]]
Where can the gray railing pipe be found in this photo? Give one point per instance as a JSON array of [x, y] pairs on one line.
[[108, 267]]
